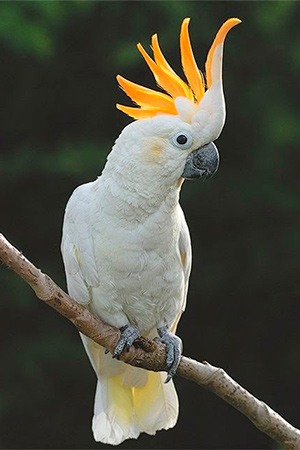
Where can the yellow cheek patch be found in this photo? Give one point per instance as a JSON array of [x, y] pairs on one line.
[[155, 151]]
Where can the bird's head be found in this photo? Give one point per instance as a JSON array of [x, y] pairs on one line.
[[174, 130]]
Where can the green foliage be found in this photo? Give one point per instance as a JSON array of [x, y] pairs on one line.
[[57, 125], [31, 27]]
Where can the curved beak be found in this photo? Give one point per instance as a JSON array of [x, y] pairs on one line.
[[202, 162]]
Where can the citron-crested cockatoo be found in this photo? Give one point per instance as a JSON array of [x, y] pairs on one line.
[[126, 245]]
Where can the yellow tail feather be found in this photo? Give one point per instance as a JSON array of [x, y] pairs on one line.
[[123, 412]]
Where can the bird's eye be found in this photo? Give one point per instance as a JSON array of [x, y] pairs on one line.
[[182, 140]]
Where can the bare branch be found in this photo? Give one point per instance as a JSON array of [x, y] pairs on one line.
[[151, 355]]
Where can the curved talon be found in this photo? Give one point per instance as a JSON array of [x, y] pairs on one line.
[[174, 350], [129, 333]]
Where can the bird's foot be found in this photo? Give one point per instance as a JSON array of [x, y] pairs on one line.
[[129, 333], [174, 349]]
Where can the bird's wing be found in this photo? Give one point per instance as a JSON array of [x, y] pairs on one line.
[[78, 247], [185, 252]]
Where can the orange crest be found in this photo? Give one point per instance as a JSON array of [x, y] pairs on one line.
[[150, 102]]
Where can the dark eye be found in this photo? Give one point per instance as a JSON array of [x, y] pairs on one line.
[[181, 139]]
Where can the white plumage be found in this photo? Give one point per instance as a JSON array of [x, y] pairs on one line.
[[127, 255], [126, 246]]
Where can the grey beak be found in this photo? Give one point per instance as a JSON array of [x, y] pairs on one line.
[[202, 162]]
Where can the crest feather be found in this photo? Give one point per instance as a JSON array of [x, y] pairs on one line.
[[189, 65], [144, 96], [165, 78], [219, 40], [150, 102]]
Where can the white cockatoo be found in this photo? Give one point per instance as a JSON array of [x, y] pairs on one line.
[[126, 245]]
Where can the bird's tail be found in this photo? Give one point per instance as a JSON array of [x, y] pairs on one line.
[[129, 400]]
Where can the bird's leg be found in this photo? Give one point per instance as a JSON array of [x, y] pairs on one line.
[[129, 333], [174, 349]]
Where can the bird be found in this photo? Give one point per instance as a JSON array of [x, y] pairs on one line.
[[125, 243]]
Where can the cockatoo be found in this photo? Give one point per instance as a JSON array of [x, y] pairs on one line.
[[126, 245]]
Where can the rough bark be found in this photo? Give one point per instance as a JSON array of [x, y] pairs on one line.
[[151, 355]]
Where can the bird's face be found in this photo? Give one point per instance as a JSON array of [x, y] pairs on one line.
[[168, 148]]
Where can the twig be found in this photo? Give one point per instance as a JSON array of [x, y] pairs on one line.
[[151, 355]]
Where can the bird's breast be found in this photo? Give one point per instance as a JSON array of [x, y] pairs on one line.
[[140, 271]]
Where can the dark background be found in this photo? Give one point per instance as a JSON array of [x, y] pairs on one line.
[[58, 122]]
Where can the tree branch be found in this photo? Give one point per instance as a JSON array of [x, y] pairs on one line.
[[151, 355]]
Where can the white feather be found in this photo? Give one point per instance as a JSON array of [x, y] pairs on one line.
[[123, 240]]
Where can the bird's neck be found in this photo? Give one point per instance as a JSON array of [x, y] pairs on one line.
[[137, 201]]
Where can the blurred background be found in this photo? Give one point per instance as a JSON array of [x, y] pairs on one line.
[[58, 122]]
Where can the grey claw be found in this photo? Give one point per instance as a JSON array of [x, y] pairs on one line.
[[169, 377], [129, 333], [174, 350]]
